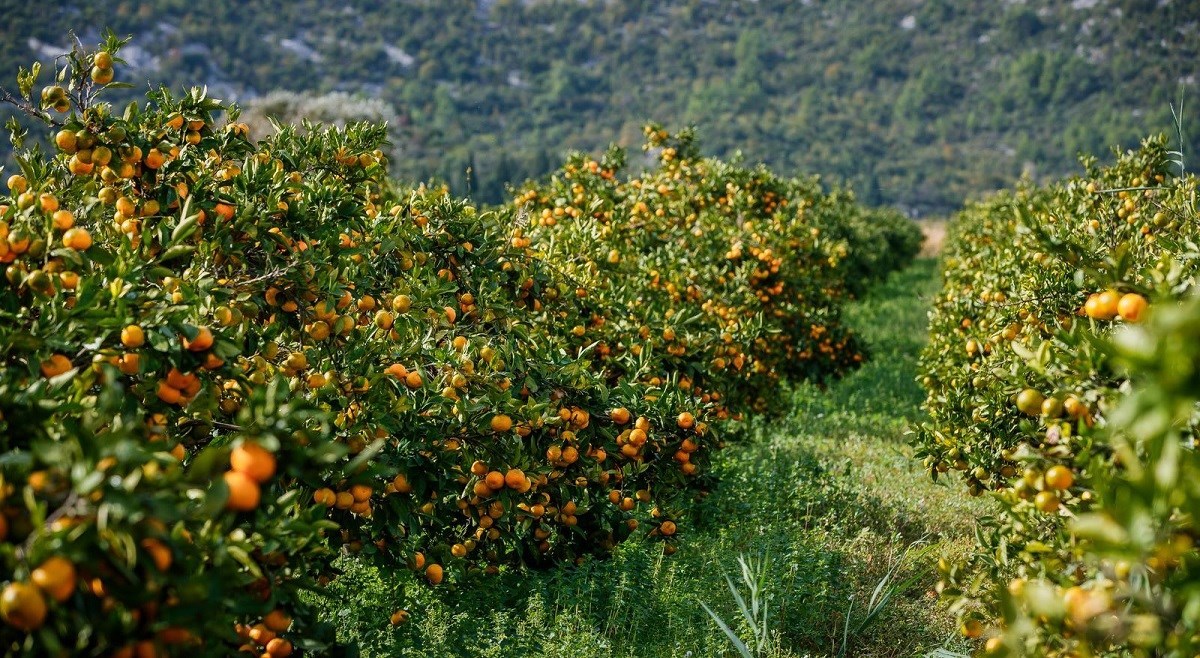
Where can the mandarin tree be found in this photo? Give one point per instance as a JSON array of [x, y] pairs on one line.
[[1021, 388]]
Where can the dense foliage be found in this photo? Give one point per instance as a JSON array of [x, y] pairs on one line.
[[737, 274], [227, 361], [862, 92], [1091, 548]]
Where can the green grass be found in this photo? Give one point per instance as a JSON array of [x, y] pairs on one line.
[[829, 492]]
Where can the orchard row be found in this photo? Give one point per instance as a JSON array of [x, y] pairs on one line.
[[229, 359], [1061, 378]]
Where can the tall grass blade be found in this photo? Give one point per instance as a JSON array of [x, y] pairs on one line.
[[733, 638]]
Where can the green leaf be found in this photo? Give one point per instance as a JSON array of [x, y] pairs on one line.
[[1099, 528], [176, 251], [737, 643], [243, 558], [187, 226]]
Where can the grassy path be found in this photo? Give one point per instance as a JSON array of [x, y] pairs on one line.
[[829, 493]]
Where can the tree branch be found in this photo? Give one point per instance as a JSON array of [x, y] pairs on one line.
[[7, 96]]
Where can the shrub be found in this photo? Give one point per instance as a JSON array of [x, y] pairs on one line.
[[1021, 387], [733, 278]]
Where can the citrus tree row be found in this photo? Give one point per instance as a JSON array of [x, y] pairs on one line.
[[1088, 553], [732, 277], [227, 362]]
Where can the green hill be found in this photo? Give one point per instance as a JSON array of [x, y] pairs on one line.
[[916, 103]]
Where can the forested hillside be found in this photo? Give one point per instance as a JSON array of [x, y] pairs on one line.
[[917, 104]]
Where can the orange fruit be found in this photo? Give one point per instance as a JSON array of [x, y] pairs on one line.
[[277, 620], [66, 141], [324, 496], [56, 365], [279, 648], [570, 454], [262, 635], [434, 574], [133, 336], [620, 415], [225, 211], [494, 480], [56, 577], [159, 552], [400, 482], [360, 492], [79, 167], [1074, 407], [501, 423], [244, 494], [1059, 477], [1132, 307], [384, 320], [48, 203], [686, 421], [77, 238], [1029, 401], [253, 460], [154, 159], [176, 379], [101, 76], [319, 330], [515, 478], [972, 628], [1046, 501], [22, 606], [63, 220], [168, 393], [202, 341], [1103, 306]]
